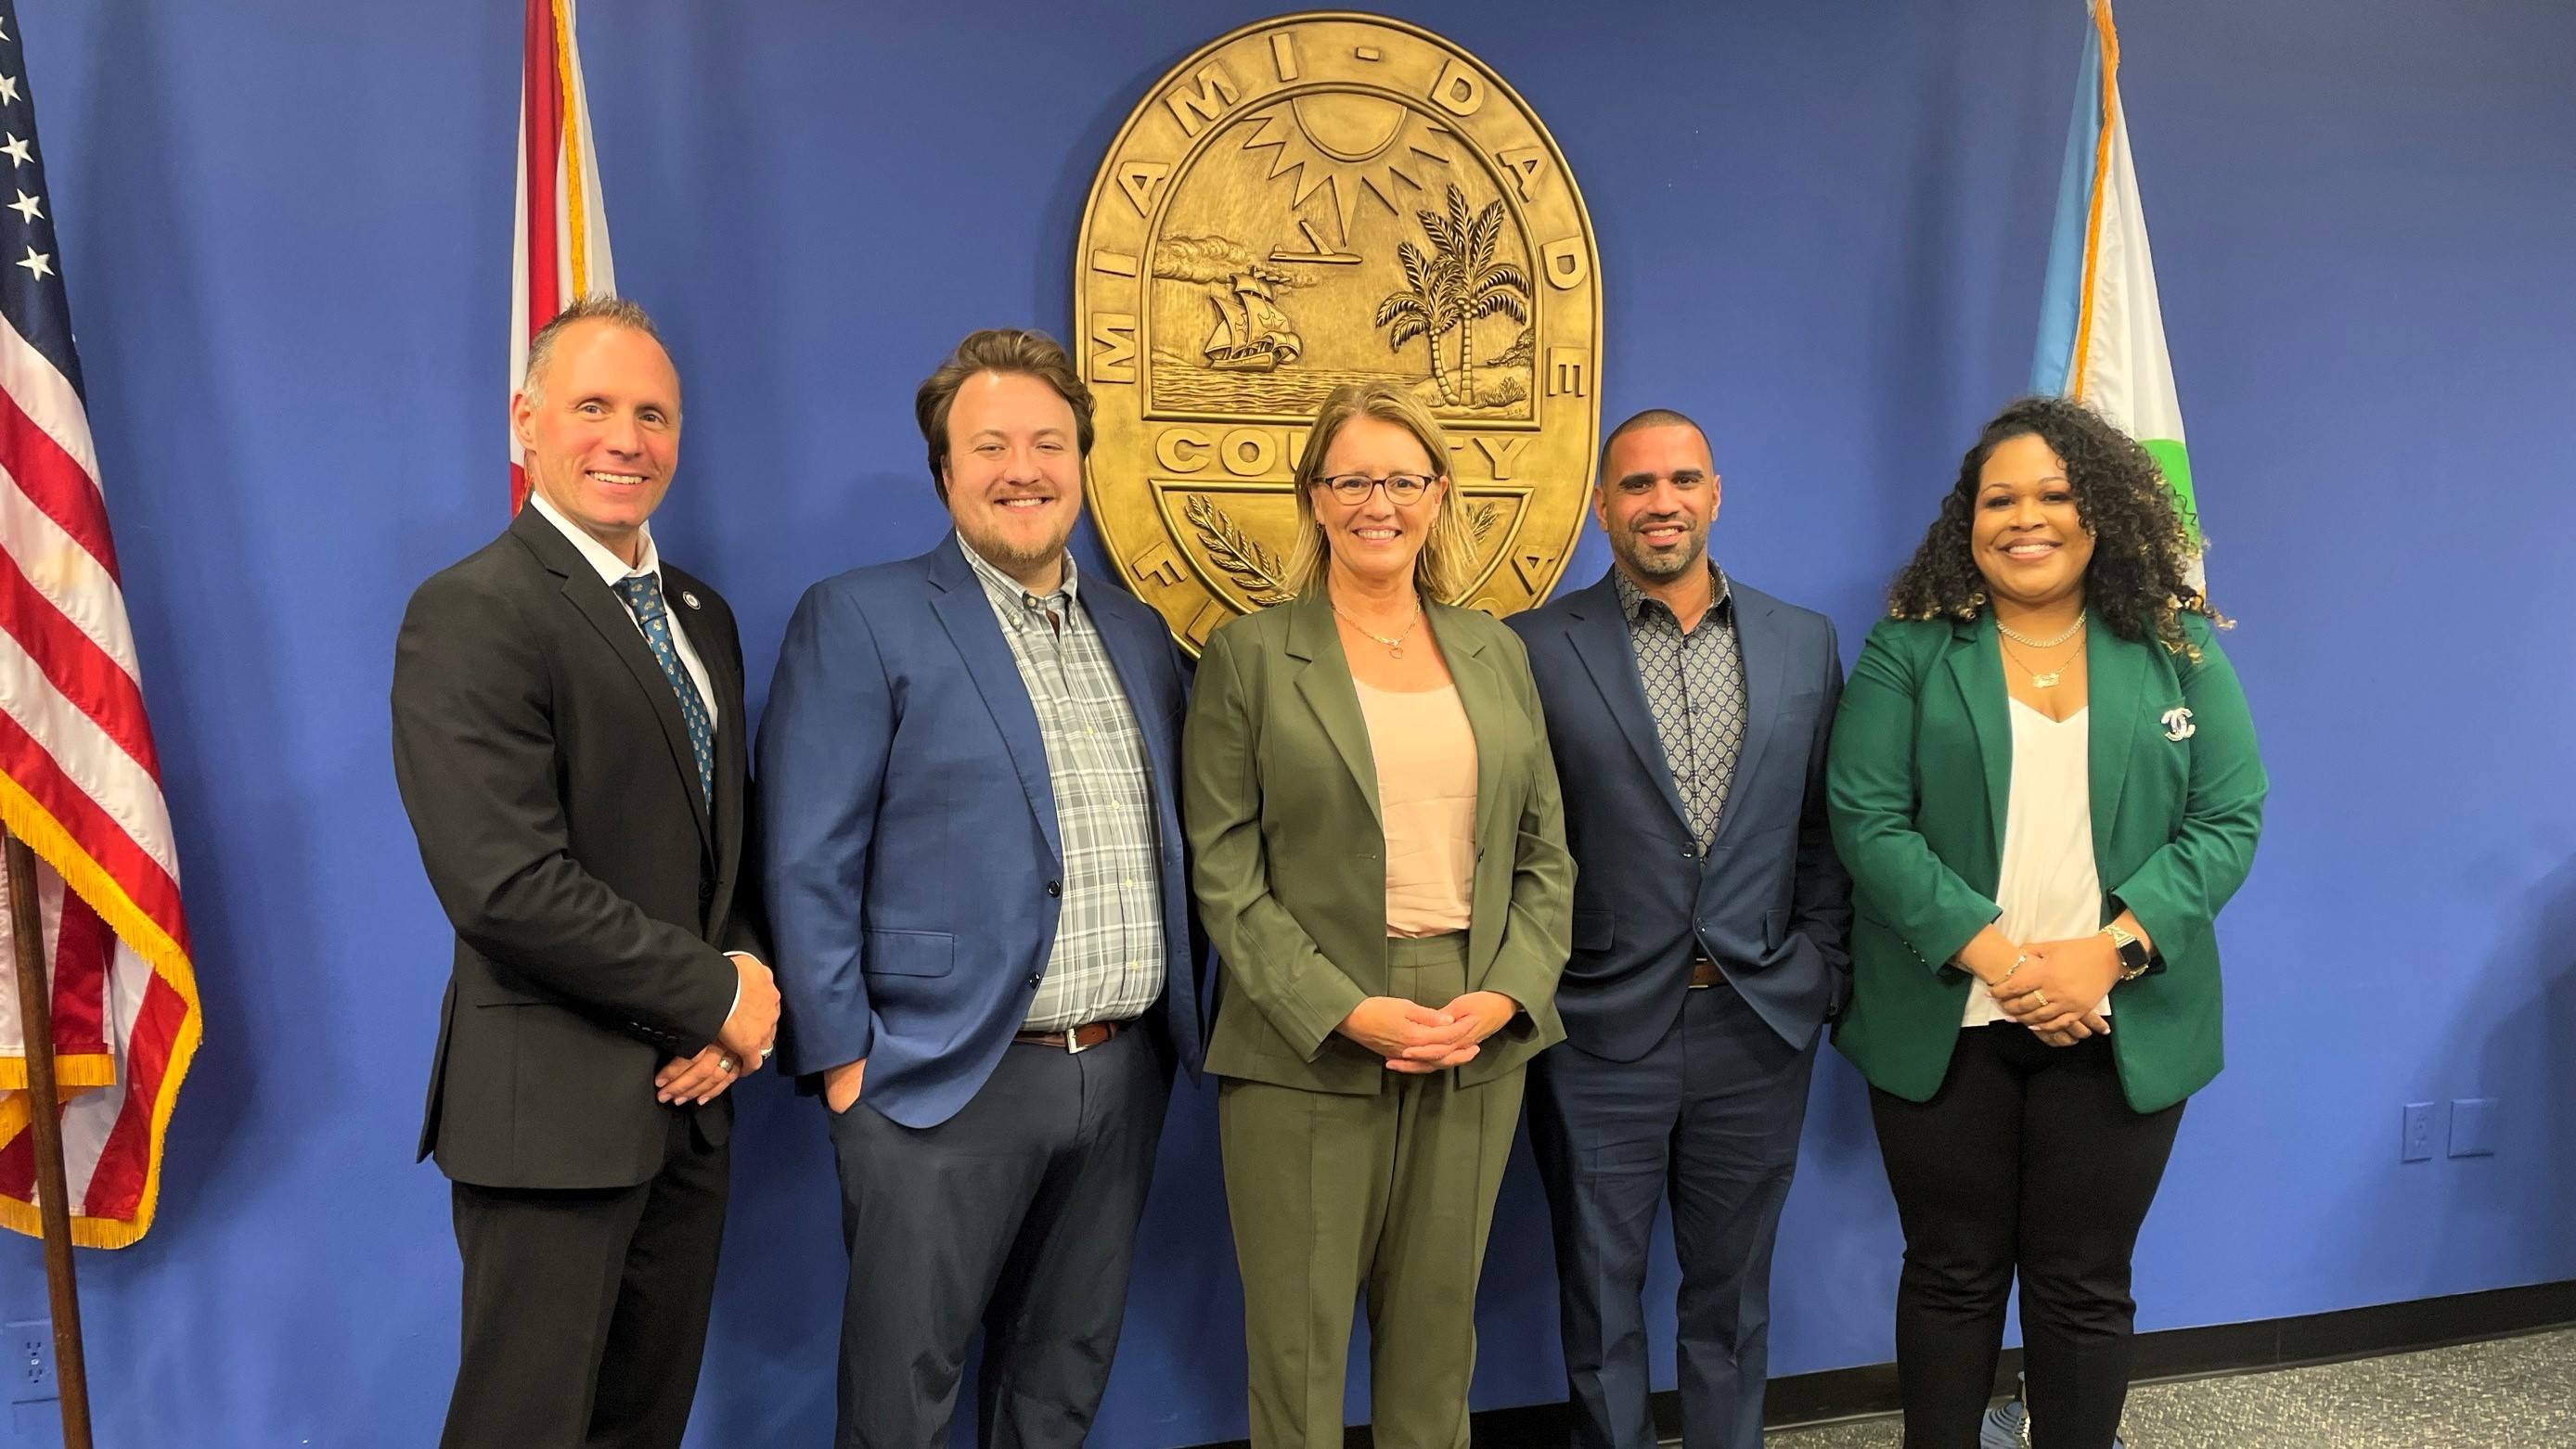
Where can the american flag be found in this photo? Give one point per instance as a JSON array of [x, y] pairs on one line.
[[79, 779], [562, 224]]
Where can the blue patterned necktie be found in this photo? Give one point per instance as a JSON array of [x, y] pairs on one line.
[[643, 594]]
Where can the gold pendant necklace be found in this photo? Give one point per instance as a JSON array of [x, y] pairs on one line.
[[2050, 679], [1394, 646]]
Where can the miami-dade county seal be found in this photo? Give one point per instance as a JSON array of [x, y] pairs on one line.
[[1309, 201]]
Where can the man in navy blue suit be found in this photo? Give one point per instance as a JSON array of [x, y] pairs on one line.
[[1689, 716], [983, 932]]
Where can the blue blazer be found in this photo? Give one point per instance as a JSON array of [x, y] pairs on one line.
[[908, 826], [1768, 901]]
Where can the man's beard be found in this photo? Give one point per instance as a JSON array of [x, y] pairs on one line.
[[998, 548], [1670, 566]]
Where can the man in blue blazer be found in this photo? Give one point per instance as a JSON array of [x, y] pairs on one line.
[[984, 939], [1689, 717]]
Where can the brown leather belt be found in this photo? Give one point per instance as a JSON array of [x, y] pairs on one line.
[[1073, 1038], [1704, 973]]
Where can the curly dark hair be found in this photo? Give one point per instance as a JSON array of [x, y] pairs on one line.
[[2139, 580]]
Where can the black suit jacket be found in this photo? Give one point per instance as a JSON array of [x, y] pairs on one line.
[[547, 772]]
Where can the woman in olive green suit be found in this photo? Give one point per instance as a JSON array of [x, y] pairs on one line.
[[2044, 782], [1380, 861]]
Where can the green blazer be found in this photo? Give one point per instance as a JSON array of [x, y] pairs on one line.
[[1916, 784], [1279, 799]]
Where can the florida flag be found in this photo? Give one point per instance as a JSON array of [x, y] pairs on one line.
[[562, 226], [2101, 333]]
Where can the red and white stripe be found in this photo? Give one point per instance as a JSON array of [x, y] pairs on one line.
[[561, 224], [80, 781]]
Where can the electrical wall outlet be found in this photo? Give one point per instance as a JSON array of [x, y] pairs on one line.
[[31, 1361], [2473, 1121], [2417, 1144]]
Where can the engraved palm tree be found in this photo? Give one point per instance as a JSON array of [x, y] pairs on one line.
[[1450, 288], [1427, 308]]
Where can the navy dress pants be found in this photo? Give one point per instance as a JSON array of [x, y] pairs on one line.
[[1709, 1121]]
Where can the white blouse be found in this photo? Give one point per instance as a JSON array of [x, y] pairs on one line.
[[2048, 887]]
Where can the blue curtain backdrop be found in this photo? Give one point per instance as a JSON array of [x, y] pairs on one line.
[[286, 228]]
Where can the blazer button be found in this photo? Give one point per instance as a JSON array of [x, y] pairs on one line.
[[1033, 983], [1055, 888], [1690, 853]]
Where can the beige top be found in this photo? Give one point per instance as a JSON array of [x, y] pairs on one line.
[[1426, 790]]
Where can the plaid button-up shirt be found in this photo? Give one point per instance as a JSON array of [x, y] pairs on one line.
[[1695, 689], [1106, 963]]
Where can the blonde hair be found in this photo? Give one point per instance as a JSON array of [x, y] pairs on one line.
[[1445, 568]]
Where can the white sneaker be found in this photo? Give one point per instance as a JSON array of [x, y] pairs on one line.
[[2007, 1426]]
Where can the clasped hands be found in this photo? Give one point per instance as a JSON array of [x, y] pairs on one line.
[[741, 1044], [1417, 1040], [2056, 988]]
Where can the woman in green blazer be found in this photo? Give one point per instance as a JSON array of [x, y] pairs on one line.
[[1380, 861], [2044, 782]]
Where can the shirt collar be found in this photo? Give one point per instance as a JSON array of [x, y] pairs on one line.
[[610, 567], [1002, 586], [1632, 599]]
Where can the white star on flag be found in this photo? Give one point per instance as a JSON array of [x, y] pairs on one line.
[[16, 150], [28, 207], [9, 89], [38, 264]]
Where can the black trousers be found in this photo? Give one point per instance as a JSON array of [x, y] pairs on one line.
[[2027, 1160], [1708, 1119], [1018, 1214], [586, 1311]]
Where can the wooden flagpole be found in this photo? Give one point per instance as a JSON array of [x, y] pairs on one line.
[[44, 1117]]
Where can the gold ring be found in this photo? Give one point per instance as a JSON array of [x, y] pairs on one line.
[[725, 1065], [2038, 996]]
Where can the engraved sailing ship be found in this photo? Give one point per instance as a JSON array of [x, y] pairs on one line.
[[1252, 334]]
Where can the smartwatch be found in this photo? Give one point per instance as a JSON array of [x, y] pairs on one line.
[[2134, 959]]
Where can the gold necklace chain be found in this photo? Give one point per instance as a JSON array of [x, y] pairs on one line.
[[2069, 632], [1394, 646]]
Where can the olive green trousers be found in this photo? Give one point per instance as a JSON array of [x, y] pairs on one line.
[[1393, 1193]]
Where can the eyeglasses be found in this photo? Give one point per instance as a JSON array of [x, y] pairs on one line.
[[1400, 488]]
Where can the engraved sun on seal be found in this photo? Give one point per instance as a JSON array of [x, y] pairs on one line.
[[1316, 200]]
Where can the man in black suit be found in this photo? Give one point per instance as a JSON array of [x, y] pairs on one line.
[[568, 735]]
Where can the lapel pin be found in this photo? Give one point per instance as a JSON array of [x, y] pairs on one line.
[[2178, 725], [689, 598]]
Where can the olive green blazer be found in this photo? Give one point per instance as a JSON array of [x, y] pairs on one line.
[[1916, 784], [1279, 800]]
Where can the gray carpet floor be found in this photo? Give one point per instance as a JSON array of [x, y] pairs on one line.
[[2512, 1393]]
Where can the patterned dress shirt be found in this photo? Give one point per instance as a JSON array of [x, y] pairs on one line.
[[1695, 689], [1106, 963]]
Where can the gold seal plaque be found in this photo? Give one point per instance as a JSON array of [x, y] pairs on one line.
[[1314, 200]]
